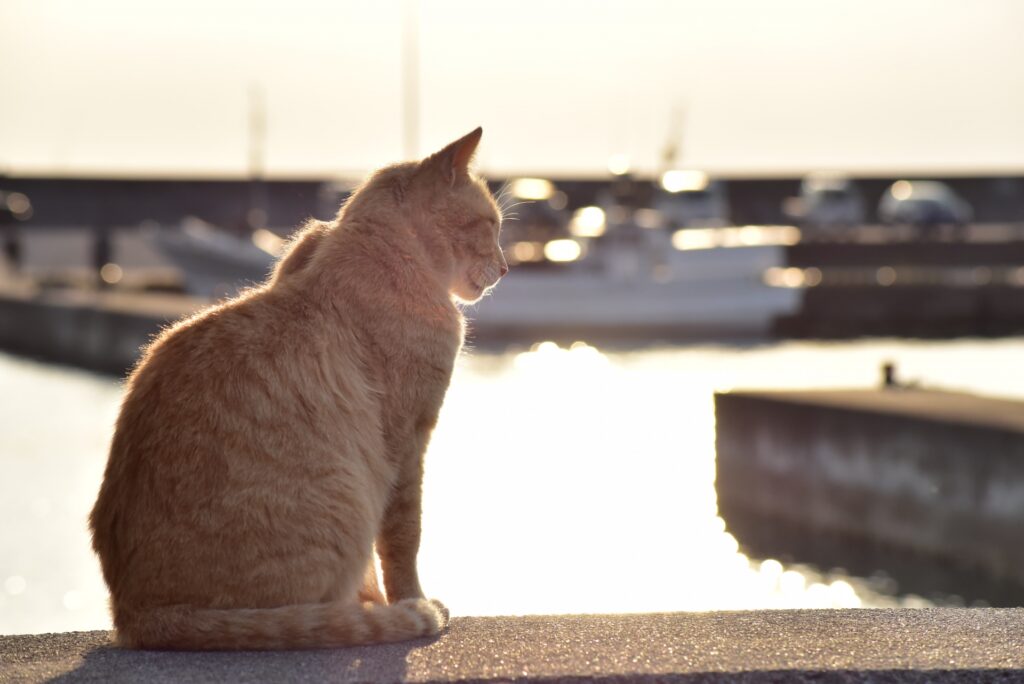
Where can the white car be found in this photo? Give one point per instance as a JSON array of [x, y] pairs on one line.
[[830, 206]]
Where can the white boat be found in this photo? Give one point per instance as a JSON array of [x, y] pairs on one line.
[[710, 290], [213, 262], [695, 283]]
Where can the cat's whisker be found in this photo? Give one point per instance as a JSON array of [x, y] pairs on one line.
[[506, 210], [504, 190], [505, 194]]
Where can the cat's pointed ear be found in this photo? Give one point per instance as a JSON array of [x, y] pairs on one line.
[[465, 148], [453, 160]]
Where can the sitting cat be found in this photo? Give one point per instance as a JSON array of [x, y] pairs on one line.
[[266, 444]]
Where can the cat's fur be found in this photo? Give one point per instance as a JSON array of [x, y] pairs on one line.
[[266, 444]]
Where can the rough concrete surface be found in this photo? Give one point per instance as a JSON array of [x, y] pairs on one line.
[[933, 645]]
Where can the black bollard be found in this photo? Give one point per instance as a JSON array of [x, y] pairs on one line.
[[889, 375]]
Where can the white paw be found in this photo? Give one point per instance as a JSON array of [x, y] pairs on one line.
[[431, 616]]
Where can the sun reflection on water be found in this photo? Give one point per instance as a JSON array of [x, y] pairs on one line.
[[571, 481]]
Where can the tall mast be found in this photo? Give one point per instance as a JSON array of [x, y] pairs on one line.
[[257, 215], [410, 79]]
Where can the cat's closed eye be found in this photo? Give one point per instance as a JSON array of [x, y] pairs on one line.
[[480, 222]]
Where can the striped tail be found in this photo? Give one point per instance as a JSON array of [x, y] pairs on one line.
[[312, 625]]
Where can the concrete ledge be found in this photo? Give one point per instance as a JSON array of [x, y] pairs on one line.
[[936, 645]]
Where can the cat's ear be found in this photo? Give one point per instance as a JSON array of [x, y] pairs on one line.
[[453, 160]]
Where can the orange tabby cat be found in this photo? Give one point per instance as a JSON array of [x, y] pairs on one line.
[[265, 445]]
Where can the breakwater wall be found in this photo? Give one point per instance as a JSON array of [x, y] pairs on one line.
[[98, 330], [936, 473]]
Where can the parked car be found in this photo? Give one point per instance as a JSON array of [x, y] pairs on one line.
[[830, 207], [927, 206]]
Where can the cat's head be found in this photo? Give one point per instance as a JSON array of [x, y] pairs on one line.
[[463, 219], [438, 203]]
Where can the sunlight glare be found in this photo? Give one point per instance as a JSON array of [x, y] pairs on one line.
[[902, 190], [538, 189], [618, 164], [791, 583], [790, 277], [738, 236], [563, 250], [526, 252], [684, 180], [694, 238], [588, 222]]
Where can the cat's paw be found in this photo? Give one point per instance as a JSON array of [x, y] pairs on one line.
[[442, 609], [431, 616]]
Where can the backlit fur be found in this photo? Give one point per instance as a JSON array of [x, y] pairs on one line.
[[265, 445]]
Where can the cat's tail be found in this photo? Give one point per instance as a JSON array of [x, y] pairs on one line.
[[314, 625]]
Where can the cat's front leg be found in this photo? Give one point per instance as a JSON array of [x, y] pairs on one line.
[[399, 542], [399, 539]]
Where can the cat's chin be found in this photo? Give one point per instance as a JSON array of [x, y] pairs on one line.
[[470, 297], [476, 283], [470, 292]]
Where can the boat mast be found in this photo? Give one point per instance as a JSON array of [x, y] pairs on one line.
[[257, 215], [410, 78]]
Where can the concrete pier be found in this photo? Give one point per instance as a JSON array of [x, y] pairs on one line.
[[940, 645], [937, 473], [96, 329]]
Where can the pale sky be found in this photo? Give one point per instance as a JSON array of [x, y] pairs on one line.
[[122, 87]]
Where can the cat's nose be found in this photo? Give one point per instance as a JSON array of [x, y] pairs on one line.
[[504, 269]]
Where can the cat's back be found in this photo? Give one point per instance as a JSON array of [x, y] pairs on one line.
[[258, 338], [230, 414], [253, 379]]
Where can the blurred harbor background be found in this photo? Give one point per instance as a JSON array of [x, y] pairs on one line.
[[703, 197]]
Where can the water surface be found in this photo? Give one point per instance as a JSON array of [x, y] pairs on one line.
[[558, 480]]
